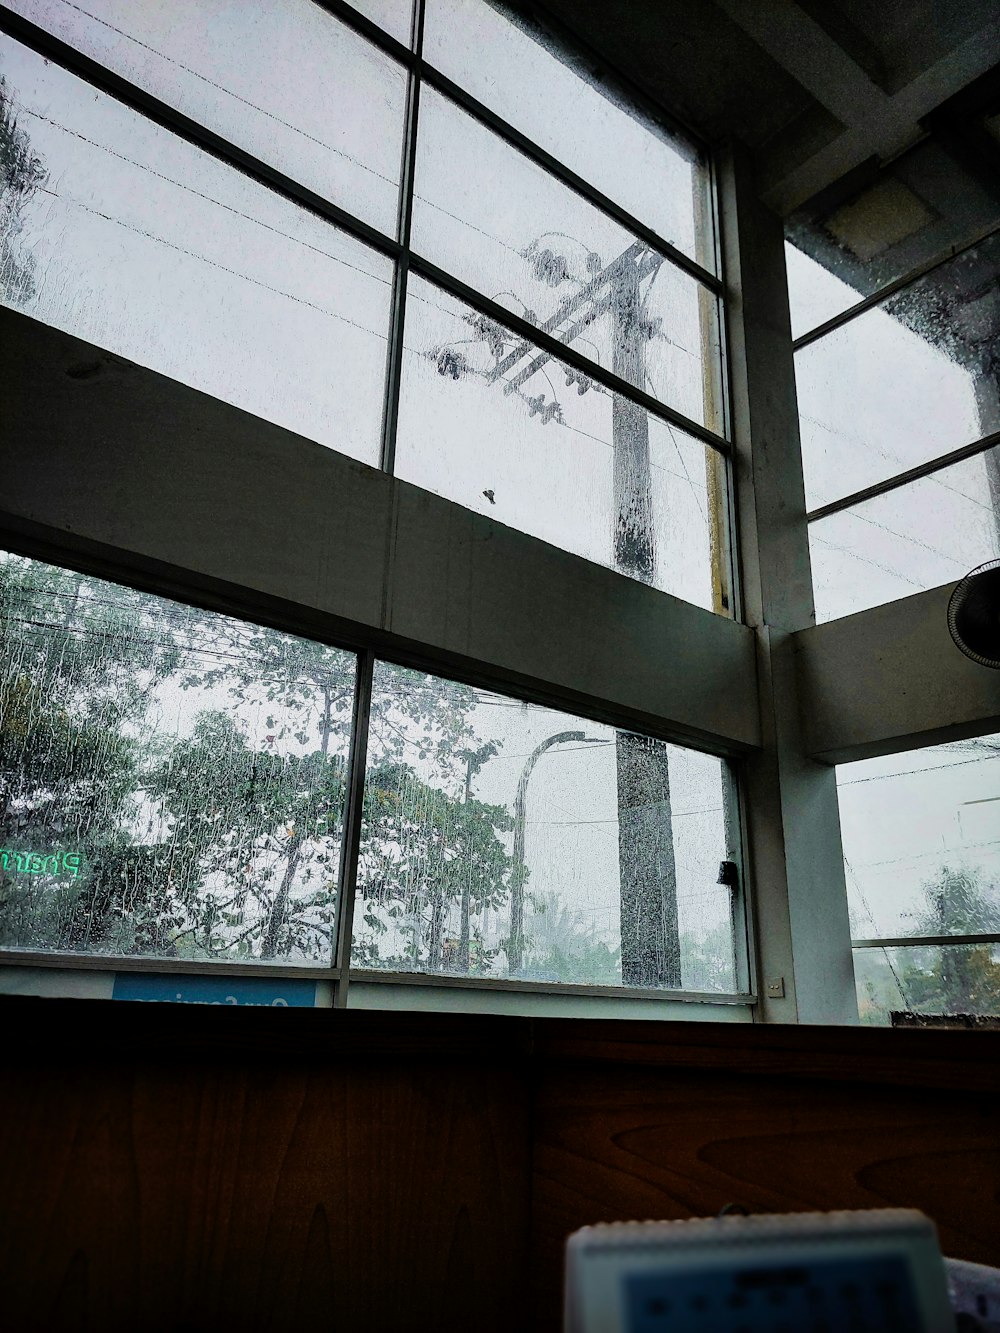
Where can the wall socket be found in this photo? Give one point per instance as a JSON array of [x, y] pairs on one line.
[[775, 988]]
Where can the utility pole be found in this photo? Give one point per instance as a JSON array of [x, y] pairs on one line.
[[650, 941]]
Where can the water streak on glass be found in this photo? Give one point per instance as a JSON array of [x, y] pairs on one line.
[[493, 423], [506, 840], [905, 382], [120, 233], [486, 213], [280, 78], [172, 780], [920, 536], [921, 834], [559, 101]]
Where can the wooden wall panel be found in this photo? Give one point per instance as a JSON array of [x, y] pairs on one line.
[[676, 1143], [278, 1197], [187, 1167]]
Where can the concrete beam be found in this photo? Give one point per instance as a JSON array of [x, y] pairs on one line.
[[135, 476], [891, 679]]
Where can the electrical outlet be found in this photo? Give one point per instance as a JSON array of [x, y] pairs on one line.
[[776, 988]]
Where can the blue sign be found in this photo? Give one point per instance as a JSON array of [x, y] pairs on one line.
[[276, 992]]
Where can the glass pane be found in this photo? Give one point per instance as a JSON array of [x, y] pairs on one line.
[[905, 382], [395, 16], [941, 980], [919, 536], [490, 422], [281, 79], [921, 833], [173, 779], [561, 103], [921, 206], [126, 236], [507, 840], [485, 213]]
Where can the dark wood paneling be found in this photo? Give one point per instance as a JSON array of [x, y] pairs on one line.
[[676, 1143], [261, 1192], [189, 1167]]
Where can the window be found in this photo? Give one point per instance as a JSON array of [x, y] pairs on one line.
[[344, 223], [900, 424], [922, 856], [178, 784]]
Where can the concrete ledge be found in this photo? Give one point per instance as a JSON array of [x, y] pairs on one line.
[[138, 477], [891, 679]]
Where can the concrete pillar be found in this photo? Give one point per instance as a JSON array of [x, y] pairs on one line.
[[800, 925]]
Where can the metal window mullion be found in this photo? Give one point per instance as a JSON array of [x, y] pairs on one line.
[[891, 288], [921, 941], [928, 469], [394, 355], [537, 337], [429, 74], [542, 158], [350, 843], [191, 131]]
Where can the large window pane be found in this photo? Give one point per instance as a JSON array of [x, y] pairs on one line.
[[948, 980], [506, 840], [562, 104], [395, 16], [280, 78], [917, 537], [128, 237], [488, 421], [921, 834], [173, 780], [487, 214], [905, 382]]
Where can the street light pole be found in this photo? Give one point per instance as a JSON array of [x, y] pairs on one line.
[[518, 874]]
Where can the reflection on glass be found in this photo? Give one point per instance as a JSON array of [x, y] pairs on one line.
[[487, 214], [921, 834], [489, 421], [173, 779], [124, 235], [947, 980], [563, 105], [905, 382], [502, 840], [282, 79], [905, 541]]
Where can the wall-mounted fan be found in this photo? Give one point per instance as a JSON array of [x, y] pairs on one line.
[[974, 614]]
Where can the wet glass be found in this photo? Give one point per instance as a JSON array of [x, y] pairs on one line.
[[173, 779], [128, 237], [918, 208], [395, 16], [561, 103], [924, 534], [903, 383], [505, 840], [921, 835], [489, 421], [487, 214], [282, 79], [950, 981]]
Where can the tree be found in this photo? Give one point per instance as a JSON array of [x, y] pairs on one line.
[[22, 173], [958, 979], [222, 839]]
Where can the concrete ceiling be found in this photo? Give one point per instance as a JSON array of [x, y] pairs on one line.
[[817, 88]]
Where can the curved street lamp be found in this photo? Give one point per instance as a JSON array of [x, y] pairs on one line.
[[518, 875]]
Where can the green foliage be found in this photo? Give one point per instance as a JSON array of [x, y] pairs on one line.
[[22, 173]]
